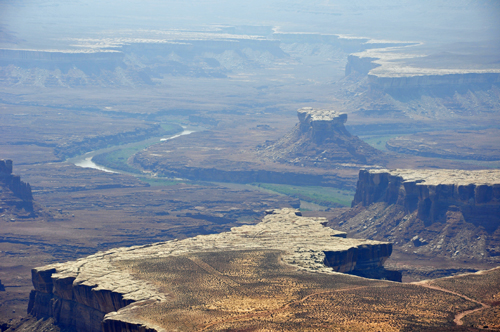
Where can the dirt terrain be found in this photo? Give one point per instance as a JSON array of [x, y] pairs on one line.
[[253, 290], [81, 217]]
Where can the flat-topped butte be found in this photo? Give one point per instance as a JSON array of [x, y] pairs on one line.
[[320, 140], [309, 114]]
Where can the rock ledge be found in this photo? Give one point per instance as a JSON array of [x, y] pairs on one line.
[[86, 292]]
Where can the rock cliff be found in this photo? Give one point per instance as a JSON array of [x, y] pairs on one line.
[[22, 197], [320, 140], [395, 73], [359, 64], [449, 213], [92, 291], [432, 193]]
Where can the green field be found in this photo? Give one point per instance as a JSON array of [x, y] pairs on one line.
[[378, 142], [154, 182], [324, 196], [117, 159]]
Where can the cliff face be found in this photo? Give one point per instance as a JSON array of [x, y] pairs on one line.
[[23, 198], [433, 193], [96, 290], [79, 305], [453, 214], [361, 65], [391, 77], [320, 140]]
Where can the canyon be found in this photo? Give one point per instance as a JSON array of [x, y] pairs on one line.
[[304, 156], [400, 90]]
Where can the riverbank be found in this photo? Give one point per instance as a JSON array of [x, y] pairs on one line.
[[114, 159]]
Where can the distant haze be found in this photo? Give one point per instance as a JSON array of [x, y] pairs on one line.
[[45, 24]]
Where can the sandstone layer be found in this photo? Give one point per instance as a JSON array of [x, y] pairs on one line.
[[85, 292], [320, 140], [433, 192], [424, 71], [452, 214]]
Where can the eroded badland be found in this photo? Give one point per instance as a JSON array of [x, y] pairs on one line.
[[306, 170]]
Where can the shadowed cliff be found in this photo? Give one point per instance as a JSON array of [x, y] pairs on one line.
[[15, 193], [451, 214]]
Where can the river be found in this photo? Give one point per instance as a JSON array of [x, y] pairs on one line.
[[85, 160]]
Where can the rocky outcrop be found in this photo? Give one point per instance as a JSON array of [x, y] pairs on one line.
[[432, 193], [451, 214], [78, 305], [93, 290], [5, 167], [23, 198], [320, 140]]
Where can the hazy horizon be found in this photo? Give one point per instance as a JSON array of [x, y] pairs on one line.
[[46, 24]]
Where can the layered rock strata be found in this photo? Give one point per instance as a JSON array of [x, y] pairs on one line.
[[94, 290], [450, 215], [320, 140], [433, 192], [23, 198], [396, 73]]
